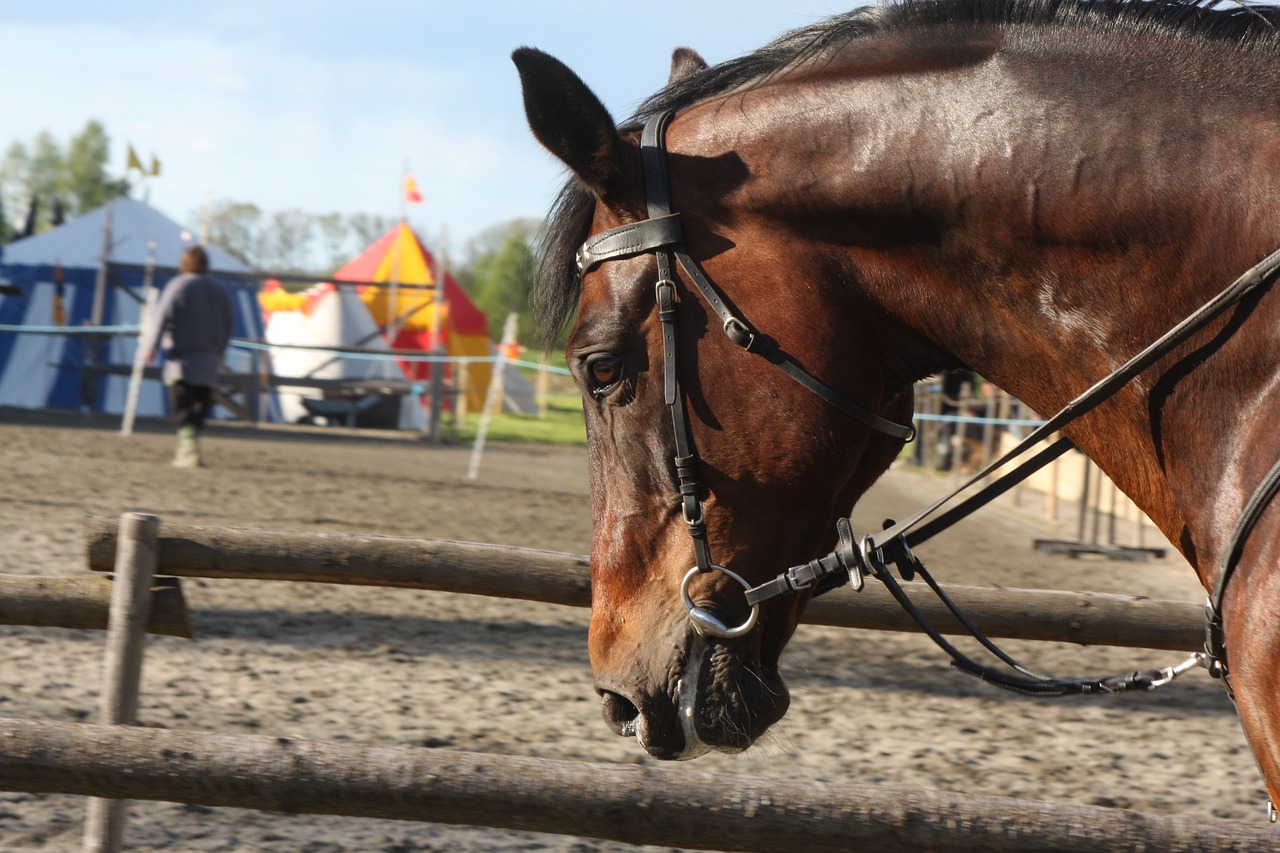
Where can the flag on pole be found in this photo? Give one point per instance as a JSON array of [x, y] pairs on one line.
[[134, 161], [155, 165], [411, 193]]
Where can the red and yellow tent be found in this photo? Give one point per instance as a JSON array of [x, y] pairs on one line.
[[399, 256]]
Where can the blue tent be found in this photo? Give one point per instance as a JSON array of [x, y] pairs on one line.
[[52, 282]]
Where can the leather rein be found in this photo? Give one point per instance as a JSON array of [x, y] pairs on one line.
[[851, 562]]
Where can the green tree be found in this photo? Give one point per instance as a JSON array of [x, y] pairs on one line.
[[84, 183], [44, 170], [501, 275]]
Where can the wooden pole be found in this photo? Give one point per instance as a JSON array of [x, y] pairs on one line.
[[98, 311], [122, 668], [634, 804], [533, 575], [933, 428], [958, 433], [85, 602]]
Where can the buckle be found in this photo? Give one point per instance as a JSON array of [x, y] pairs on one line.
[[738, 332]]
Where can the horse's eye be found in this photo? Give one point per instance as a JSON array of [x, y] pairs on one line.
[[605, 372]]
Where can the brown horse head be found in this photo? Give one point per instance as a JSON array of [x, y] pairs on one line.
[[679, 692], [1032, 190]]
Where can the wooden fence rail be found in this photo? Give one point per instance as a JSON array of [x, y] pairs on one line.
[[637, 805], [85, 602], [220, 552]]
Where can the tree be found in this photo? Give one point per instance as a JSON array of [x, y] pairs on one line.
[[334, 234], [83, 182], [286, 240], [500, 279], [368, 227], [42, 172], [233, 225]]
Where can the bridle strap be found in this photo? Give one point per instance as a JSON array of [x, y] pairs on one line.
[[1215, 642], [658, 202], [912, 531], [662, 235], [629, 240], [1101, 391]]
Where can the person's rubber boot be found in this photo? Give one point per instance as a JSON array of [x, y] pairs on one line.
[[188, 453]]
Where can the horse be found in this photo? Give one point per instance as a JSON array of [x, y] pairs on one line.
[[1031, 189]]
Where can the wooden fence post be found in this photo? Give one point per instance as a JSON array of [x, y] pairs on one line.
[[136, 555]]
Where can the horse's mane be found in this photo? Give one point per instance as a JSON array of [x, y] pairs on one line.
[[557, 290]]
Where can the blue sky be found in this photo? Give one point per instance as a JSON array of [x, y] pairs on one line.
[[318, 106]]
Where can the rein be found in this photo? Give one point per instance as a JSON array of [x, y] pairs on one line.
[[661, 235]]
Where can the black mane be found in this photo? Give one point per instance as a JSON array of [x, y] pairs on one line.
[[557, 291]]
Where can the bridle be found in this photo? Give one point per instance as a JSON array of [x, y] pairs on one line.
[[662, 236]]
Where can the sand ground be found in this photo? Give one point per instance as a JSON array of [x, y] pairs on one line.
[[397, 667]]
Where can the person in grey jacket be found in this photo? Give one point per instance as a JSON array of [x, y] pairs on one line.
[[192, 324]]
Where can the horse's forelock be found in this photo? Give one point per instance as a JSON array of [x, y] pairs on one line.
[[557, 286]]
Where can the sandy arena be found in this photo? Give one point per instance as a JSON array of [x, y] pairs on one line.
[[396, 667]]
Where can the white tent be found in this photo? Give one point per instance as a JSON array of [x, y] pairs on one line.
[[330, 317]]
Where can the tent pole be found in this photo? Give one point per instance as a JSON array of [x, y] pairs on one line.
[[139, 356], [100, 283], [93, 343]]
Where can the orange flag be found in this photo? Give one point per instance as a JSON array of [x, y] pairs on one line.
[[411, 193]]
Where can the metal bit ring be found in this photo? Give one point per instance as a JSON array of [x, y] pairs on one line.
[[707, 624]]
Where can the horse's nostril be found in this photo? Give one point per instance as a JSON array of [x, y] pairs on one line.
[[619, 713]]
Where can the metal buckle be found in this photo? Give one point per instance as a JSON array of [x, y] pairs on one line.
[[738, 332], [793, 582], [707, 624]]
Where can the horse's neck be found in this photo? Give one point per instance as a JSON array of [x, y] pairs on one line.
[[1042, 237], [1078, 244]]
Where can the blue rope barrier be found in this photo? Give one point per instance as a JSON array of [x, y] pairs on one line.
[[70, 330], [976, 419], [401, 356]]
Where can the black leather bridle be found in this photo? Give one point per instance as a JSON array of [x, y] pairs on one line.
[[661, 235]]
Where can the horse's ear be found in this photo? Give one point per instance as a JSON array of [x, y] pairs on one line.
[[572, 123], [685, 61]]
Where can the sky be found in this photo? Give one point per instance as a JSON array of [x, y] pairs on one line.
[[320, 106]]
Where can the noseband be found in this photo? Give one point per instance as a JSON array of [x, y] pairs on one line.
[[662, 235]]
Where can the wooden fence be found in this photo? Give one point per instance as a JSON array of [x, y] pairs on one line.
[[625, 803], [524, 573], [638, 805]]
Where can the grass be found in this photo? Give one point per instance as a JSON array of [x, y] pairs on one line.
[[563, 424]]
